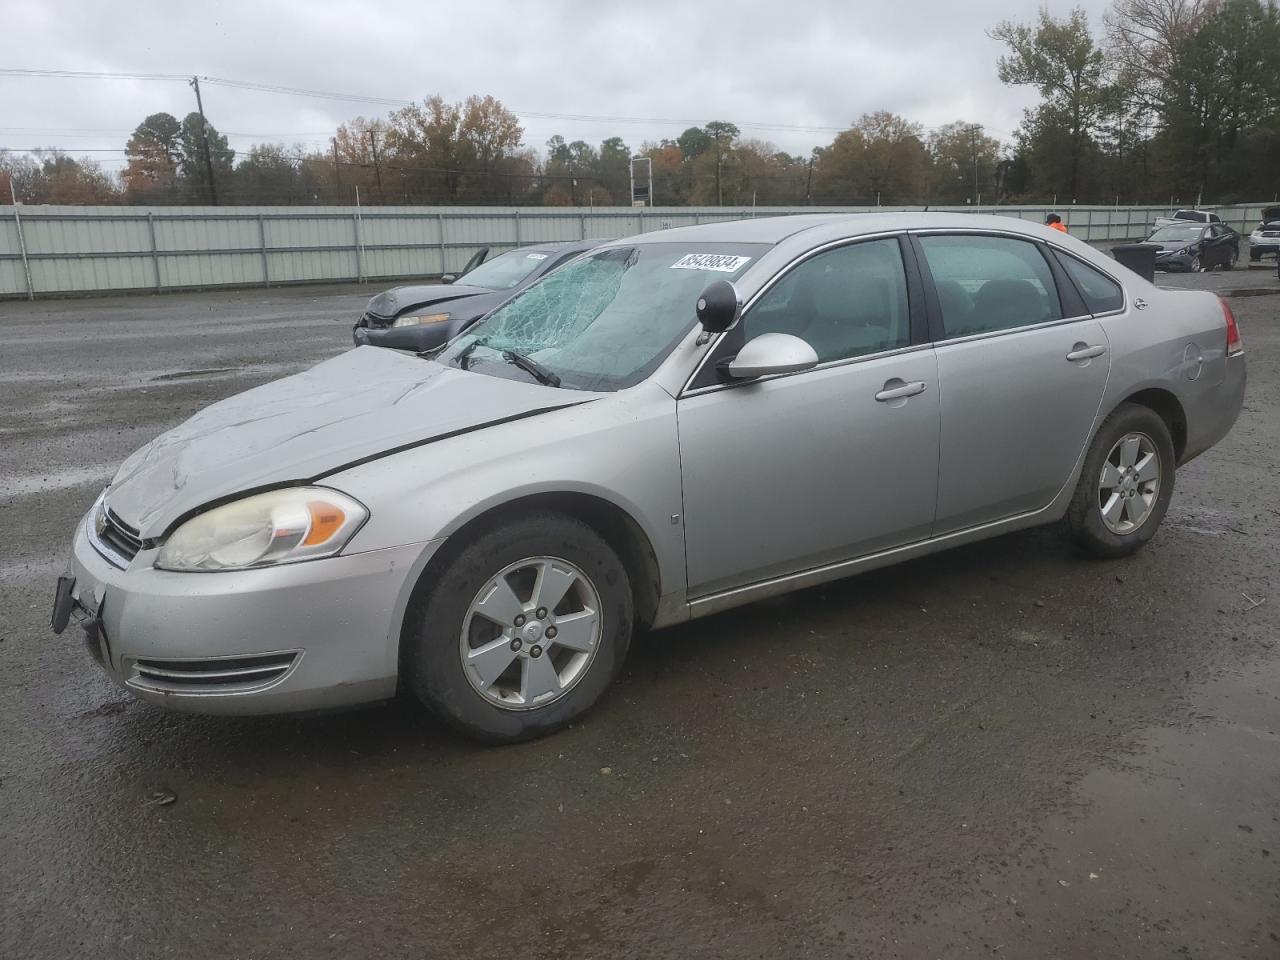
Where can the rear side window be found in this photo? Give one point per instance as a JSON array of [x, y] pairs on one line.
[[987, 284], [1101, 293]]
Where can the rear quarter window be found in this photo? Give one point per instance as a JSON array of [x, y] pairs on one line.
[[1101, 293]]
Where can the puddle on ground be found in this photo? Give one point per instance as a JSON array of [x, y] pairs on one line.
[[192, 374], [24, 485]]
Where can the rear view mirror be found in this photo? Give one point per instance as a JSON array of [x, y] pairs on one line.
[[772, 353], [719, 307]]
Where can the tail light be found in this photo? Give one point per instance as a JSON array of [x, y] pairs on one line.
[[1234, 343]]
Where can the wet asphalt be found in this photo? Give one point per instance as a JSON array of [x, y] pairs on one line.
[[1007, 750]]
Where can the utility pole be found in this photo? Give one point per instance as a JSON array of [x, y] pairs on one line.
[[337, 167], [377, 170], [204, 139], [808, 185], [973, 140]]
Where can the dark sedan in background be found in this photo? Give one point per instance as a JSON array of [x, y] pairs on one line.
[[1195, 247], [424, 316]]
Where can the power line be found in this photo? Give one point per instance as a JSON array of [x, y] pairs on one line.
[[257, 87], [90, 74]]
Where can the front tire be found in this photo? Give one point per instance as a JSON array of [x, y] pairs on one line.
[[522, 631], [1125, 485], [1197, 265]]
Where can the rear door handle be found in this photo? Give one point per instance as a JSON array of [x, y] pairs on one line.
[[901, 390], [1082, 352]]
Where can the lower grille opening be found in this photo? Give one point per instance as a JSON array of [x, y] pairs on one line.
[[214, 674]]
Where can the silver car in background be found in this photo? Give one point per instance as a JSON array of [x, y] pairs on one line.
[[670, 426]]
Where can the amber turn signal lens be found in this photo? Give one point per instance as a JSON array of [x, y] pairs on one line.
[[326, 520]]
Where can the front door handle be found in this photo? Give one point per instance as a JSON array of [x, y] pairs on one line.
[[897, 390], [1085, 352]]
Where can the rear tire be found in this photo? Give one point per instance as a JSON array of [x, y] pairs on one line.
[[484, 654], [1231, 260], [1122, 496]]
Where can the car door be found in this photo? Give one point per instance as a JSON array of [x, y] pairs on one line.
[[1221, 240], [1020, 377], [792, 472]]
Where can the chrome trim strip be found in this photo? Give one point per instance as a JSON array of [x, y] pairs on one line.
[[138, 680], [830, 364], [199, 676], [988, 334]]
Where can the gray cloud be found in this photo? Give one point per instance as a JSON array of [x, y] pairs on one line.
[[807, 64]]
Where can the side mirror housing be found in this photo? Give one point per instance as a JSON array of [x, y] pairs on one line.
[[719, 307], [772, 353], [449, 278]]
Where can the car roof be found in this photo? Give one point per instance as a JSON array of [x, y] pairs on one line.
[[774, 230]]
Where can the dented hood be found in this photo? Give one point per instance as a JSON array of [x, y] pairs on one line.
[[398, 300], [356, 406]]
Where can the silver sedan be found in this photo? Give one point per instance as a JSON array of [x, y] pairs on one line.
[[669, 426]]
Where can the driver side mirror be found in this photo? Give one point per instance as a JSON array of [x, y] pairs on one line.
[[772, 353], [449, 278], [719, 307]]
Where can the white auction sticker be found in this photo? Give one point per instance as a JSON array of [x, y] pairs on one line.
[[719, 262], [535, 256]]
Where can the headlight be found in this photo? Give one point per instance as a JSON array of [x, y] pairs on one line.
[[418, 320], [283, 526]]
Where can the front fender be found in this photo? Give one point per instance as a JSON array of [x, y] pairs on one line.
[[621, 448]]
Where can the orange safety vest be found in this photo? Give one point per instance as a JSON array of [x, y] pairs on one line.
[[1059, 226]]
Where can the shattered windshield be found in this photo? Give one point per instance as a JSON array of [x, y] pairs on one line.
[[603, 322]]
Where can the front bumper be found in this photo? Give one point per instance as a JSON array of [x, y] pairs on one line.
[[1263, 247], [1180, 261], [302, 636], [422, 337]]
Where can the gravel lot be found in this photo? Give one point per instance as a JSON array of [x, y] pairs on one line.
[[1007, 749]]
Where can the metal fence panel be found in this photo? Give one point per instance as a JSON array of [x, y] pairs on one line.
[[91, 249]]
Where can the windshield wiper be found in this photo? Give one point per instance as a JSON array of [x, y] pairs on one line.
[[532, 367]]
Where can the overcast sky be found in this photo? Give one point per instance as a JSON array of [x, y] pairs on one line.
[[779, 64]]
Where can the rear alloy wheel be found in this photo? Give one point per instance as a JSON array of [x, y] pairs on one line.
[[1129, 483], [1125, 485], [522, 629]]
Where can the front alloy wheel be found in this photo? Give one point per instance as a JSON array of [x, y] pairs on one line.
[[516, 629], [531, 633], [1196, 265]]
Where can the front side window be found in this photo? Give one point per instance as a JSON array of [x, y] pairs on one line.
[[1101, 293], [844, 303], [987, 284], [604, 321]]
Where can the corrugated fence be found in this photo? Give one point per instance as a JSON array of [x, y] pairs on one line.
[[67, 250]]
